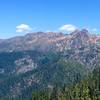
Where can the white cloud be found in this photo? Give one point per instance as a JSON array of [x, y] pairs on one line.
[[68, 27], [23, 28]]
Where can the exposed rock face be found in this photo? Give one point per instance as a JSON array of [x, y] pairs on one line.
[[37, 41], [24, 65], [80, 45], [47, 41]]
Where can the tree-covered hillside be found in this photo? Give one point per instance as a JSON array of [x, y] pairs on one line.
[[28, 71], [87, 89]]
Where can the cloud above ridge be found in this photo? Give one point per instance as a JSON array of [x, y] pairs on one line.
[[68, 27], [23, 28]]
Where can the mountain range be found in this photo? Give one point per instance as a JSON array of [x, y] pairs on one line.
[[80, 45], [48, 41], [39, 60]]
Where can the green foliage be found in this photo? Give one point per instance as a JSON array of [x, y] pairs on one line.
[[87, 89], [52, 69]]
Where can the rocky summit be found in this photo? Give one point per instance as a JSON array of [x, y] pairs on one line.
[[50, 40]]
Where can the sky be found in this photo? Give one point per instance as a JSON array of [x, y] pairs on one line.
[[18, 17]]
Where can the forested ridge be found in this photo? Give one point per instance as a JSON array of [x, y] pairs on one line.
[[87, 89]]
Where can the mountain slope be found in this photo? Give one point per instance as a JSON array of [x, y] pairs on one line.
[[87, 89], [48, 41], [41, 60], [49, 68]]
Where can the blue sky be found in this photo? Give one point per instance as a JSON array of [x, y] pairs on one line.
[[18, 17]]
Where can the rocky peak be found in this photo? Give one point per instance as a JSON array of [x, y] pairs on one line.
[[79, 38], [75, 32], [82, 34], [48, 40]]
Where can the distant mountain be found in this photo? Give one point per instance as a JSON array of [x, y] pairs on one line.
[[41, 60], [48, 41], [31, 41], [79, 45]]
